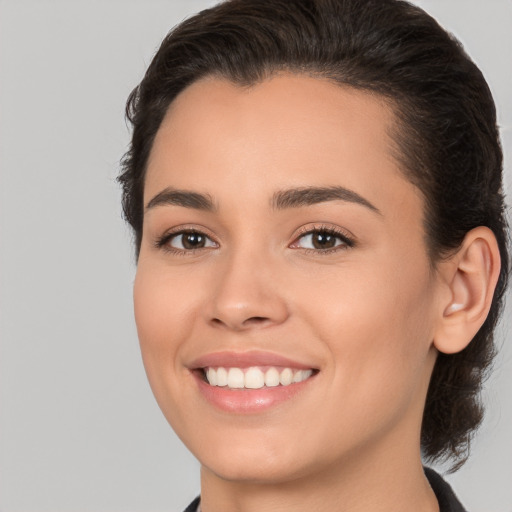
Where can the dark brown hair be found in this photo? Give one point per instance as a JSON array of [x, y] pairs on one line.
[[446, 136]]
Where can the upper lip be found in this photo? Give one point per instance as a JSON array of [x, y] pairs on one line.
[[245, 360]]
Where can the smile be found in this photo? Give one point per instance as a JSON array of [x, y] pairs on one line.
[[254, 377], [251, 382]]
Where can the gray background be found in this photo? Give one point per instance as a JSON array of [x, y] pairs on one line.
[[80, 430]]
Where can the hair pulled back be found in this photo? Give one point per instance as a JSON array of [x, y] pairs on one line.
[[446, 136]]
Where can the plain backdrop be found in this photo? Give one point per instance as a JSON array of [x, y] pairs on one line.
[[80, 430]]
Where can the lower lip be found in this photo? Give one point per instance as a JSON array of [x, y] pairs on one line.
[[246, 401]]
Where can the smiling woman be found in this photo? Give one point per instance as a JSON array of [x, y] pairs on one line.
[[315, 190]]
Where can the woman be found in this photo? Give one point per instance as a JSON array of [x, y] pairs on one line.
[[315, 191]]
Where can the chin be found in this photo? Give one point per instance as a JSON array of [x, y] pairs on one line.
[[255, 457], [256, 470]]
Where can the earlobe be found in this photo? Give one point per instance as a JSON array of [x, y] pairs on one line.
[[471, 275]]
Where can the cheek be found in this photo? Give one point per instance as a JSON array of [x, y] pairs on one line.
[[151, 301], [375, 298], [162, 315], [164, 303], [377, 324], [165, 309]]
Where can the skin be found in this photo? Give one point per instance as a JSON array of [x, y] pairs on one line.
[[366, 316]]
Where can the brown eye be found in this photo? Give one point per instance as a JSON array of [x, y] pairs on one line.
[[190, 240], [322, 240]]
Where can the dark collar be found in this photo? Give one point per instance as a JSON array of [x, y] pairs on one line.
[[193, 506], [446, 498]]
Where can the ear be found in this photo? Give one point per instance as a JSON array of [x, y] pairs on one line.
[[469, 277]]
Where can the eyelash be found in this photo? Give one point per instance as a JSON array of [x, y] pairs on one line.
[[347, 241], [163, 241]]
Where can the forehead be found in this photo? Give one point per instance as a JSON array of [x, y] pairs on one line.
[[287, 131]]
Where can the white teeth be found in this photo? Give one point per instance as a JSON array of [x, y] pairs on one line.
[[286, 377], [254, 377], [235, 378], [222, 377], [272, 378], [302, 375], [211, 375]]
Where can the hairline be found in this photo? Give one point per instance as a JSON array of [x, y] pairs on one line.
[[396, 131]]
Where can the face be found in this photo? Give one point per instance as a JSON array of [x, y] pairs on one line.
[[284, 299]]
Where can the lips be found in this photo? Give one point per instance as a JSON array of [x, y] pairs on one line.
[[250, 382], [246, 360]]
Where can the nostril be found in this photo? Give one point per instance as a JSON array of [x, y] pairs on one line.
[[256, 320], [252, 321]]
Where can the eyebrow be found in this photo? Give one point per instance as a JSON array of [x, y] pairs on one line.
[[281, 200], [307, 196], [184, 198]]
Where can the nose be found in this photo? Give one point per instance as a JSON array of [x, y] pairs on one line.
[[246, 295]]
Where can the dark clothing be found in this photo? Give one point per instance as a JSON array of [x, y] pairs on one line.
[[446, 498], [193, 506]]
